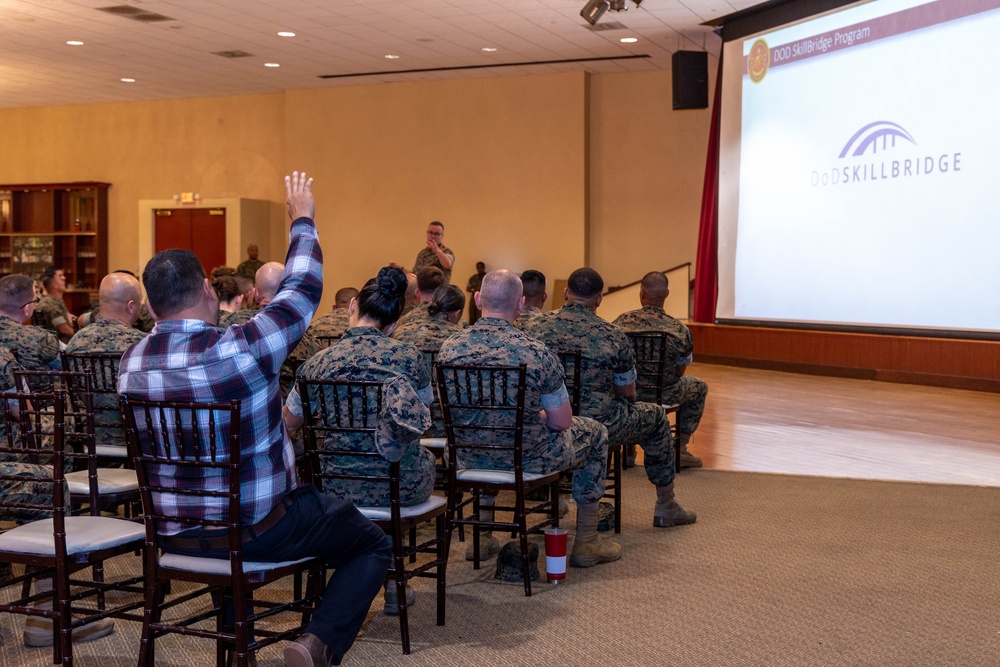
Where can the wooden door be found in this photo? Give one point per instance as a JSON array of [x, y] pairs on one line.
[[200, 230]]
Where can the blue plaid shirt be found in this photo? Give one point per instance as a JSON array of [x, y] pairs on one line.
[[190, 360]]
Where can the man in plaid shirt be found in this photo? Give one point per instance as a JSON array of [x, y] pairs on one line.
[[188, 358]]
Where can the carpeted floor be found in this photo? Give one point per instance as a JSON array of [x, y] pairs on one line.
[[779, 570]]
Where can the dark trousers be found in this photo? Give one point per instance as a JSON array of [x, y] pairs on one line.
[[332, 529]]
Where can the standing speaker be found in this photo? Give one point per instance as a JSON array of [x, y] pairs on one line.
[[690, 79]]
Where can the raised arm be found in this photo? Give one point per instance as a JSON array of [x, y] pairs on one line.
[[277, 329]]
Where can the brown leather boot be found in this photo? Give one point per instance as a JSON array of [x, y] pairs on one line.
[[308, 651]]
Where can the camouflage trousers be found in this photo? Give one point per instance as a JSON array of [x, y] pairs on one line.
[[416, 481], [645, 424], [689, 393], [583, 448], [32, 490]]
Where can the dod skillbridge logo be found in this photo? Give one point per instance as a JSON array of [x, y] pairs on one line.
[[883, 151], [758, 60]]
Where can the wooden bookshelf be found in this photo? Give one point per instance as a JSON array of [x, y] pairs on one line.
[[60, 224]]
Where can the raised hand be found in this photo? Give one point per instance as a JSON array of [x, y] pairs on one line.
[[298, 190]]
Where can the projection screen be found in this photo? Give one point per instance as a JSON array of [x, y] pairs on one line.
[[858, 163]]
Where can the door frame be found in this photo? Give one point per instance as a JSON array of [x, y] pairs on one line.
[[247, 221]]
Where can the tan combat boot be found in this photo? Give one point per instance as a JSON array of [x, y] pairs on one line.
[[588, 548], [688, 460], [667, 512]]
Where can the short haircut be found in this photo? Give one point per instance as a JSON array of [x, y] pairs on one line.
[[15, 291], [245, 284], [501, 291], [655, 284], [436, 224], [533, 283], [585, 283], [447, 299], [48, 276], [345, 294], [173, 280], [429, 279]]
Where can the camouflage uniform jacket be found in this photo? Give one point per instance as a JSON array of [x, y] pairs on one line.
[[427, 334], [606, 352], [365, 354], [680, 348], [416, 315], [495, 341], [248, 268], [33, 347], [427, 257], [53, 313], [8, 364], [241, 316], [144, 324], [332, 325], [106, 335], [528, 315]]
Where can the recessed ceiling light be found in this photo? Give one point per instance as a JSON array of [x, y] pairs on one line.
[[628, 40], [392, 57], [75, 42], [285, 33], [127, 80], [271, 65], [489, 49]]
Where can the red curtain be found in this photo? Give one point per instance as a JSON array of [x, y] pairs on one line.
[[706, 277]]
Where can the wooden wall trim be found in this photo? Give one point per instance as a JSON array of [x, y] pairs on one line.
[[944, 362]]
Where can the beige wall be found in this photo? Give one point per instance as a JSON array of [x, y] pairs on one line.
[[217, 147], [509, 165], [501, 162], [647, 165]]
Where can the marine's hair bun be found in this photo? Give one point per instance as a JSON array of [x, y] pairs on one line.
[[391, 281]]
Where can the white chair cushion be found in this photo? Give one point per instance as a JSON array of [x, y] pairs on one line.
[[109, 480], [83, 534], [115, 451], [218, 565], [384, 513], [436, 445], [492, 476]]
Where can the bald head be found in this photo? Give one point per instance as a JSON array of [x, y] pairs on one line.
[[653, 290], [500, 295], [268, 278], [121, 297]]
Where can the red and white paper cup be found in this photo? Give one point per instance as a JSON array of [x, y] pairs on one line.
[[556, 542]]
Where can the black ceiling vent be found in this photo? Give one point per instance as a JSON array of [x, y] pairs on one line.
[[606, 25], [232, 54], [135, 13]]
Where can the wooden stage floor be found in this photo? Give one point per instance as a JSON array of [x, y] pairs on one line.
[[768, 421]]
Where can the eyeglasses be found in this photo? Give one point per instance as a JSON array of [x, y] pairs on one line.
[[435, 233], [32, 302]]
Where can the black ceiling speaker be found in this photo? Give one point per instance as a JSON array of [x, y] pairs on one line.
[[690, 79]]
